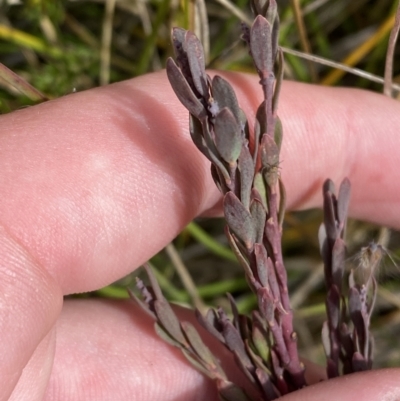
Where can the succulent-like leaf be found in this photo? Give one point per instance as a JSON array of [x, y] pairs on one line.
[[343, 200], [211, 323], [259, 215], [198, 364], [323, 246], [144, 306], [355, 310], [274, 21], [262, 264], [279, 79], [269, 152], [260, 6], [195, 54], [165, 336], [178, 39], [218, 179], [241, 258], [228, 139], [278, 134], [338, 258], [270, 392], [266, 305], [169, 321], [235, 312], [326, 341], [359, 363], [282, 202], [262, 118], [225, 96], [259, 185], [196, 133], [333, 306], [330, 216], [259, 339], [260, 46], [230, 392], [246, 168], [199, 347], [239, 219], [183, 91], [272, 12], [235, 343]]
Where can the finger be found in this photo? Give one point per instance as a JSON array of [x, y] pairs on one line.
[[373, 385], [95, 183], [109, 350], [30, 301], [33, 381]]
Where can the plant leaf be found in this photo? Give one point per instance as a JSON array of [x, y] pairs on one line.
[[195, 54], [260, 45], [225, 96], [183, 91], [228, 139], [239, 219], [246, 168], [169, 321]]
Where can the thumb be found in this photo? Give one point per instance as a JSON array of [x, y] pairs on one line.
[[373, 385]]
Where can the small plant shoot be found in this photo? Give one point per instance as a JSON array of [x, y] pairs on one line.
[[246, 169]]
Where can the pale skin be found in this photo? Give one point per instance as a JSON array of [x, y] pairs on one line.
[[95, 183]]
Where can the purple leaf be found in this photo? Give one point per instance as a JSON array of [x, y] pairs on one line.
[[246, 168], [259, 215], [183, 90], [230, 392], [262, 264], [269, 152], [261, 47], [169, 321], [225, 96], [343, 200], [228, 139], [195, 54], [239, 219]]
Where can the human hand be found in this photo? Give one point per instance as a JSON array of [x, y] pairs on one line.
[[93, 184]]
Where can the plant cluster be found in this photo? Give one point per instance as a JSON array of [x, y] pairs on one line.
[[245, 167]]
